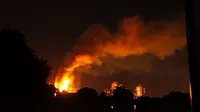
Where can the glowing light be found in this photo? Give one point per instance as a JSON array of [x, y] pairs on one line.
[[65, 84], [190, 92], [55, 94], [114, 85], [139, 91], [111, 107], [134, 107]]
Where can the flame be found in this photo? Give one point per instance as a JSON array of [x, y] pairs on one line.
[[114, 85], [139, 91], [65, 84], [67, 81], [134, 37]]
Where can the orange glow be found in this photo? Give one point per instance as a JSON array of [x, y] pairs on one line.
[[65, 84], [139, 91], [114, 85], [190, 92], [67, 79], [49, 83], [134, 37], [55, 94]]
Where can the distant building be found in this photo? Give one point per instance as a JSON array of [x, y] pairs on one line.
[[139, 91], [114, 85], [110, 92]]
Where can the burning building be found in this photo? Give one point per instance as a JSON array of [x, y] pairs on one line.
[[110, 92], [114, 85], [139, 91]]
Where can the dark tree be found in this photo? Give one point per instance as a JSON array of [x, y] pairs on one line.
[[87, 94], [123, 94], [87, 99], [173, 102], [178, 101], [103, 95], [123, 99], [23, 74]]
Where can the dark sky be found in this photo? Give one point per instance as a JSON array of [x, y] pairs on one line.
[[52, 27]]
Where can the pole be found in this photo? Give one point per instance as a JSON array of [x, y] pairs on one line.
[[193, 42]]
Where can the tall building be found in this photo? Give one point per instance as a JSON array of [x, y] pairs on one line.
[[110, 92], [139, 91]]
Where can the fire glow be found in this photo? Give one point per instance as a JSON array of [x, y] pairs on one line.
[[67, 81], [65, 84], [134, 37]]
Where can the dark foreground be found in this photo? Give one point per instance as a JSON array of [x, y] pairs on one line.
[[88, 101], [24, 87]]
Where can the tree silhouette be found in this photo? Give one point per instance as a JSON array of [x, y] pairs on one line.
[[122, 93], [123, 99], [23, 74], [87, 99], [173, 102], [87, 94], [103, 95]]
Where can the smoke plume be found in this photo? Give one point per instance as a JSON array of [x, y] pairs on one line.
[[131, 48]]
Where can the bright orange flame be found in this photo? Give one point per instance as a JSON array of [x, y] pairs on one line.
[[65, 84], [114, 85], [139, 91], [67, 81]]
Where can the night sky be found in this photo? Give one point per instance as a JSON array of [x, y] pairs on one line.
[[52, 28]]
